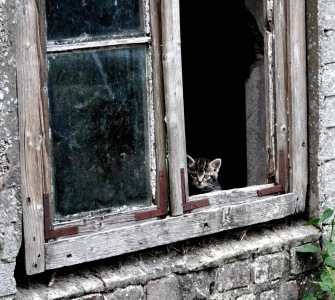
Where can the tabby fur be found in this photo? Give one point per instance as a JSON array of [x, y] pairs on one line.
[[203, 175]]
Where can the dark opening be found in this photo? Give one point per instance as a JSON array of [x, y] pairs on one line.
[[218, 48]]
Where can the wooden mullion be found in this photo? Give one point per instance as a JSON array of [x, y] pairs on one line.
[[173, 94], [281, 84], [158, 94], [32, 105], [298, 101]]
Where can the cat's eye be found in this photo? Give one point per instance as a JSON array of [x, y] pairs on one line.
[[193, 175], [206, 176]]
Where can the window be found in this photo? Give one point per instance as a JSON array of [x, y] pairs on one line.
[[105, 94], [225, 113]]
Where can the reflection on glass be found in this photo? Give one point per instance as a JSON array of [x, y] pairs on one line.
[[98, 132], [74, 18]]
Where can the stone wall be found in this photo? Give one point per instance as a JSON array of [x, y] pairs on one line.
[[10, 210], [258, 263], [321, 99], [326, 103]]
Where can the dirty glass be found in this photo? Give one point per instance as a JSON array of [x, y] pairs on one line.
[[86, 18], [98, 112]]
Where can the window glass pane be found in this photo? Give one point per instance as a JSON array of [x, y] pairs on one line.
[[74, 18], [98, 126]]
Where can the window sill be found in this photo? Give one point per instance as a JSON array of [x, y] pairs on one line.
[[228, 209]]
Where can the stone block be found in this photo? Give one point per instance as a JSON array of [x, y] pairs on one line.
[[128, 293], [289, 290], [269, 267], [269, 295], [7, 282], [327, 14], [233, 275], [328, 80], [247, 297], [327, 152], [197, 285], [327, 179], [92, 297], [327, 49], [9, 245], [8, 207], [164, 289], [301, 261], [241, 294]]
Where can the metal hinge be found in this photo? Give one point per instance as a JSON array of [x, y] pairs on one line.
[[49, 231], [163, 206], [280, 185], [162, 210]]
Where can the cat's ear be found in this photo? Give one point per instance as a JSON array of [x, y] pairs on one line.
[[190, 160], [216, 164]]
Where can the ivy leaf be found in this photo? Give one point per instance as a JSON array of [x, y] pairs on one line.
[[325, 286], [330, 262], [324, 276], [312, 222], [330, 246], [326, 215], [308, 248], [309, 297]]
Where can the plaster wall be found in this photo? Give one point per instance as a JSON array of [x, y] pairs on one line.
[[10, 208]]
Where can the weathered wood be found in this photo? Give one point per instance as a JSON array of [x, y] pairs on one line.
[[158, 94], [113, 234], [298, 95], [161, 232], [171, 45], [34, 156], [280, 84], [289, 112], [269, 87], [233, 196], [109, 221], [94, 44]]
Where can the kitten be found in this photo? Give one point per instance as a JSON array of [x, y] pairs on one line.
[[203, 175]]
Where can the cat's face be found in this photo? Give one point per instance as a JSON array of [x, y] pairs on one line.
[[203, 173]]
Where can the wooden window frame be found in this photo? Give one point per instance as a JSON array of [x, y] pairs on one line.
[[110, 235]]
